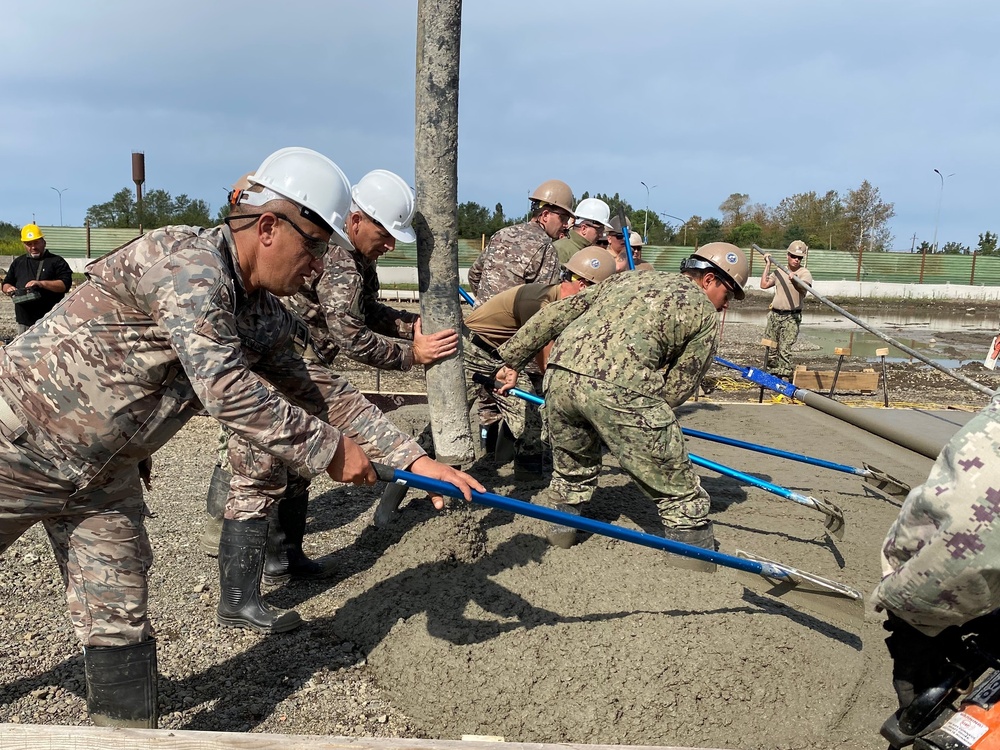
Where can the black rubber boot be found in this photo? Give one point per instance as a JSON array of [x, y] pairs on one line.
[[241, 561], [703, 537], [215, 507], [121, 685], [285, 559]]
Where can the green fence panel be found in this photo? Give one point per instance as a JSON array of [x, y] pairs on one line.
[[825, 265]]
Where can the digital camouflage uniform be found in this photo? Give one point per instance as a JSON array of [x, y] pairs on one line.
[[941, 557], [519, 254], [629, 350], [784, 319], [162, 330], [490, 325], [343, 312]]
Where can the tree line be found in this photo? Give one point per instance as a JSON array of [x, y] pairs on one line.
[[857, 220]]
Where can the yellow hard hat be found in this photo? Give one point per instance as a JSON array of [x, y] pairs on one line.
[[30, 233]]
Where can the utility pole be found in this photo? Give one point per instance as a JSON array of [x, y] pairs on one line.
[[645, 218], [60, 204], [937, 217]]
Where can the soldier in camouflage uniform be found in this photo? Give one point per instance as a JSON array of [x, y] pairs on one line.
[[628, 351], [523, 253], [492, 324], [941, 559], [181, 320], [785, 316], [344, 314], [516, 255]]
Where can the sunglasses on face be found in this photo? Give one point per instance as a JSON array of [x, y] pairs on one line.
[[315, 246]]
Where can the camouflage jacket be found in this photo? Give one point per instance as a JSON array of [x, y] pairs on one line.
[[653, 333], [162, 329], [344, 314], [941, 558], [519, 254]]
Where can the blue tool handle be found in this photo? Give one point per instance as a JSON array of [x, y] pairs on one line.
[[491, 500], [774, 452], [697, 460], [489, 382], [466, 296], [760, 377], [628, 242]]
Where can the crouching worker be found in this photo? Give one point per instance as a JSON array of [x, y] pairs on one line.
[[941, 565], [180, 320], [628, 351], [493, 323], [341, 307]]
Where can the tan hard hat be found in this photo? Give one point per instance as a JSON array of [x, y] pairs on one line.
[[798, 248], [593, 263], [616, 225], [725, 259], [635, 239], [556, 193]]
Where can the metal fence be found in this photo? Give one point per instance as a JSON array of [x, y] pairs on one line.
[[825, 265]]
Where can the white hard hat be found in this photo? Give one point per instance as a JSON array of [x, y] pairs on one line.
[[635, 239], [594, 209], [387, 198], [307, 178]]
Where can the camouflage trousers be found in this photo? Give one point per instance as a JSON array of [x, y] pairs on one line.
[[259, 480], [783, 329], [98, 536], [643, 434], [523, 419]]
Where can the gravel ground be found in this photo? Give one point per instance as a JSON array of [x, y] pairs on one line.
[[465, 622]]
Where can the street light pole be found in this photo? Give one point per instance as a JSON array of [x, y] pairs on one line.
[[937, 217], [684, 224], [645, 218], [60, 203]]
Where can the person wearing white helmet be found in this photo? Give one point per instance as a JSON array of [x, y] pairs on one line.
[[179, 322], [592, 221], [340, 305]]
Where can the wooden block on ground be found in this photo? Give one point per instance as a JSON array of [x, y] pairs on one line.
[[848, 380]]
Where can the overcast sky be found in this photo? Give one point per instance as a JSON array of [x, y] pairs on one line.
[[698, 98]]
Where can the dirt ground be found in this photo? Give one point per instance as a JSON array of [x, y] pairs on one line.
[[466, 622]]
